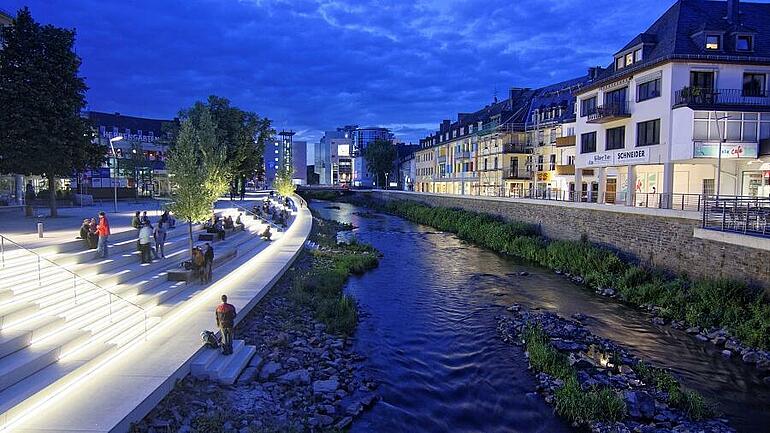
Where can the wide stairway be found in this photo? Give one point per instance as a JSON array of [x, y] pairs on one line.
[[63, 312]]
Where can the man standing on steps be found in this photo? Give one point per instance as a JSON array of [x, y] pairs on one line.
[[103, 230], [226, 323]]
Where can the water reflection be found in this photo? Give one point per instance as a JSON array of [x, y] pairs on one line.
[[430, 333]]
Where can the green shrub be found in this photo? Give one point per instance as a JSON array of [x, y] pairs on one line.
[[691, 403], [580, 406], [543, 357]]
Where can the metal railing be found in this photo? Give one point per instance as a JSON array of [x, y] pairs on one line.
[[610, 110], [745, 215], [685, 202], [708, 97], [41, 263]]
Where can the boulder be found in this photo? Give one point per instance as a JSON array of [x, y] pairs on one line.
[[325, 386], [750, 357], [640, 404], [297, 376], [269, 370]]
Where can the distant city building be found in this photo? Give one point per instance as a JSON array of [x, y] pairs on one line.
[[333, 156], [138, 166], [299, 162], [5, 18], [361, 138], [278, 155]]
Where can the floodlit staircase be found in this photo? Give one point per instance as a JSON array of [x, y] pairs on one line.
[[211, 364], [63, 312]]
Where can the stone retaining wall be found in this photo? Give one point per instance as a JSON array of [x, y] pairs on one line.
[[657, 239]]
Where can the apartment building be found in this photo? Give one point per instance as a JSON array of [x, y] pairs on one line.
[[682, 99]]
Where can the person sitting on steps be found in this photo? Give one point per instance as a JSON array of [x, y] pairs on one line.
[[266, 235], [85, 229], [229, 223]]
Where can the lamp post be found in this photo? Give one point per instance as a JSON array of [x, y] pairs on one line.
[[114, 180]]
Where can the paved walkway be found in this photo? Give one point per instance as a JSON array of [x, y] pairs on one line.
[[130, 384]]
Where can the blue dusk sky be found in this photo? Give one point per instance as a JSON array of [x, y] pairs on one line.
[[314, 65]]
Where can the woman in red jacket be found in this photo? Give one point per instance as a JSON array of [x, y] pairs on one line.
[[103, 230]]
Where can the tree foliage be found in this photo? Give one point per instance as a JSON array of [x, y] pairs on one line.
[[284, 183], [380, 158], [197, 164], [241, 133], [41, 96]]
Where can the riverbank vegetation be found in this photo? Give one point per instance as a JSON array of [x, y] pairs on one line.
[[320, 286], [709, 304]]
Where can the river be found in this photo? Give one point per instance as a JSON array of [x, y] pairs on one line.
[[428, 329]]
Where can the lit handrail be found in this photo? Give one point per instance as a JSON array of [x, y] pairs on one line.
[[75, 276]]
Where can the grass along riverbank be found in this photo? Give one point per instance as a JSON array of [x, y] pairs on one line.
[[742, 311]]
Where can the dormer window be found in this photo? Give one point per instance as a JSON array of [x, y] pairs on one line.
[[637, 56], [619, 63], [713, 42], [744, 43]]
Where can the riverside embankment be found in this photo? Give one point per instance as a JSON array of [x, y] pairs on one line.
[[429, 327]]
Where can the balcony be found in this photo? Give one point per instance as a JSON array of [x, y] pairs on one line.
[[565, 141], [565, 169], [463, 155], [510, 173], [441, 159], [724, 99], [610, 112], [514, 148]]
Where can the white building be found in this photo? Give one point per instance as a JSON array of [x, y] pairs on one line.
[[649, 126]]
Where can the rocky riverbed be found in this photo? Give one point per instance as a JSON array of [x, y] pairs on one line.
[[302, 379], [598, 363]]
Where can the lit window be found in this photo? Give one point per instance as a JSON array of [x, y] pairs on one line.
[[638, 56], [629, 59], [712, 42], [743, 43]]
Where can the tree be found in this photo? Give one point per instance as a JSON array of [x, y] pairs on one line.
[[242, 133], [198, 170], [380, 157], [41, 96], [283, 182]]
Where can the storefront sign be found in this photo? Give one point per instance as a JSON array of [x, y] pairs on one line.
[[620, 157], [729, 150], [544, 176]]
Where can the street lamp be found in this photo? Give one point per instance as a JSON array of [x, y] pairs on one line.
[[115, 179]]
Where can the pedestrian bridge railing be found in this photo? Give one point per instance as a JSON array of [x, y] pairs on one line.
[[737, 214]]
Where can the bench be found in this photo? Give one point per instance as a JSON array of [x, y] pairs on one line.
[[181, 274]]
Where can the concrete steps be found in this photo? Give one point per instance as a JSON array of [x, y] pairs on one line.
[[211, 364], [49, 338]]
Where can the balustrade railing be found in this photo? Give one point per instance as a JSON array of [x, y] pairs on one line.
[[745, 215]]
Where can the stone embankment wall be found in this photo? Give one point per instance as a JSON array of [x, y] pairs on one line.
[[654, 237]]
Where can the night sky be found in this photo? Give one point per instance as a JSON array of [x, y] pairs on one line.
[[314, 65]]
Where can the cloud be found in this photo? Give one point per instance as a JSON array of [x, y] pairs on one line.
[[314, 65]]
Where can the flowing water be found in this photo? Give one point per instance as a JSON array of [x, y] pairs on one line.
[[429, 330]]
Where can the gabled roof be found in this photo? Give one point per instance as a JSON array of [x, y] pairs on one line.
[[674, 35]]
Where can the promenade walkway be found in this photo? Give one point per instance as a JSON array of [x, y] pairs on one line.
[[106, 396]]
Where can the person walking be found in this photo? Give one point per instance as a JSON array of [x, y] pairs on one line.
[[145, 236], [160, 238], [103, 230], [226, 323]]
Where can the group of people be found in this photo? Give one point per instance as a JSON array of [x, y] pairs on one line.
[[218, 225], [203, 262], [152, 240], [95, 233]]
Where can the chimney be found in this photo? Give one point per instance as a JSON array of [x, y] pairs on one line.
[[733, 11], [517, 92], [593, 72]]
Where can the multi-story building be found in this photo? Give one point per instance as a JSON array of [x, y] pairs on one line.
[[11, 186], [334, 164], [278, 156], [360, 139], [138, 165], [681, 99], [551, 139], [299, 161]]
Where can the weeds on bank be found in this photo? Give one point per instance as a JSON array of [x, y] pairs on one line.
[[707, 303], [690, 402], [571, 401], [320, 288]]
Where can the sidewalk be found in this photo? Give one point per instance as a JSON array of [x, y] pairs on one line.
[[127, 387]]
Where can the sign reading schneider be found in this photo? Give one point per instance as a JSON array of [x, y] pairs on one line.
[[619, 157]]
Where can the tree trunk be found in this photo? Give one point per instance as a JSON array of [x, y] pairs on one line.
[[52, 195], [190, 238]]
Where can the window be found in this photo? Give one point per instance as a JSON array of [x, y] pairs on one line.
[[619, 63], [648, 90], [540, 163], [552, 162], [702, 79], [629, 59], [616, 138], [648, 133], [744, 43], [713, 42], [495, 163], [638, 55], [587, 106], [753, 84], [588, 142]]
